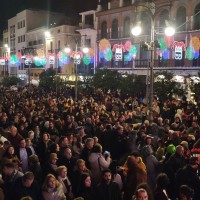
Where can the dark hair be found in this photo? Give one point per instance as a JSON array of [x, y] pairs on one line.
[[186, 191], [106, 171], [148, 190], [162, 181], [28, 176], [97, 148]]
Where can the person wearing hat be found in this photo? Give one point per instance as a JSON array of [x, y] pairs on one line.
[[188, 176], [51, 166]]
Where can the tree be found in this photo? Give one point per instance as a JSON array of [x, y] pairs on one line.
[[47, 79], [195, 87], [106, 80], [8, 81], [165, 86]]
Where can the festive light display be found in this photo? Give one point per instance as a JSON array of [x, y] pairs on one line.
[[195, 43], [104, 44], [168, 40], [190, 53], [86, 60]]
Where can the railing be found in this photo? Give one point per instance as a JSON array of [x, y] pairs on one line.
[[158, 64]]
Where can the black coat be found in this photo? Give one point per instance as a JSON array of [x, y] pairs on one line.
[[108, 191]]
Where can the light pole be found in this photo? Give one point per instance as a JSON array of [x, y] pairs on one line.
[[169, 31], [77, 56]]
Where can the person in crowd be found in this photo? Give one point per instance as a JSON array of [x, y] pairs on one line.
[[35, 167], [77, 146], [107, 189], [188, 175], [69, 161], [23, 153], [162, 182], [186, 193], [27, 186], [43, 148], [9, 155], [30, 145], [98, 162], [141, 194], [86, 189], [147, 188], [14, 137], [10, 175], [52, 189], [171, 167], [135, 176], [151, 163], [51, 166], [79, 169], [89, 143], [64, 181]]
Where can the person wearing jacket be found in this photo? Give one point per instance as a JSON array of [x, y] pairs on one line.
[[98, 162]]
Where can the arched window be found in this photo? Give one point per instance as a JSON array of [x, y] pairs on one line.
[[104, 29], [164, 15], [197, 17], [146, 24], [181, 19], [58, 44], [126, 27], [114, 33]]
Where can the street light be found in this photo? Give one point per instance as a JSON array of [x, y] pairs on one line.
[[77, 56], [169, 31]]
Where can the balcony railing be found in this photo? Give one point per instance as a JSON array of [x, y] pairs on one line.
[[158, 64]]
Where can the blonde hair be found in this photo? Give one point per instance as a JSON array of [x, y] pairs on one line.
[[46, 182], [60, 168]]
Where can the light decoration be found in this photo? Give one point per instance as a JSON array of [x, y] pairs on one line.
[[2, 61], [168, 40], [86, 60], [195, 43], [40, 61], [63, 58], [51, 58], [108, 54], [178, 47], [133, 50], [196, 55], [166, 53], [190, 53], [162, 44], [14, 60], [128, 45], [104, 44], [128, 57]]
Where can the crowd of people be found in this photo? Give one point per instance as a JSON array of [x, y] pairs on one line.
[[100, 147]]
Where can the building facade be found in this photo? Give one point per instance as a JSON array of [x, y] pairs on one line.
[[116, 20]]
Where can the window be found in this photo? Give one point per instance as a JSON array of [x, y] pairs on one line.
[[59, 44], [19, 40], [126, 28], [164, 15], [24, 23], [114, 32], [51, 47], [197, 17], [181, 18], [146, 24], [104, 29]]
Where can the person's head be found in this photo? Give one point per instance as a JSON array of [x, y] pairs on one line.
[[141, 194], [62, 171], [28, 179], [28, 142], [194, 162], [13, 130], [89, 143], [8, 168], [26, 198], [107, 176], [97, 148], [180, 150], [186, 193], [63, 142], [22, 143], [45, 137], [162, 181], [31, 135], [146, 187], [68, 153], [85, 180], [6, 144], [10, 150], [53, 158], [80, 165], [50, 182]]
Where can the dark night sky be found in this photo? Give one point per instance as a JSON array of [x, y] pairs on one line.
[[9, 8]]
